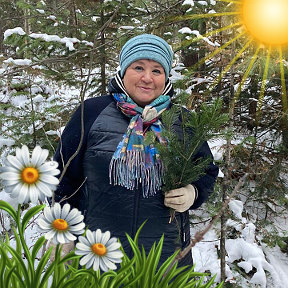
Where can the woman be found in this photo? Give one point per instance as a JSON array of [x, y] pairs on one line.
[[118, 175]]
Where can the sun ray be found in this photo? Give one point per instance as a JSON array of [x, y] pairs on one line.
[[283, 84], [262, 90], [227, 68], [218, 50], [230, 1], [245, 76], [201, 16], [215, 31]]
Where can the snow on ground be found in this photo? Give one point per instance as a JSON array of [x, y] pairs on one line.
[[267, 267]]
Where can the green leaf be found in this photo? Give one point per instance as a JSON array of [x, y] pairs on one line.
[[41, 266], [18, 242], [29, 214], [20, 280], [39, 243], [8, 277], [21, 265], [159, 275], [70, 256], [3, 260], [8, 208], [48, 271]]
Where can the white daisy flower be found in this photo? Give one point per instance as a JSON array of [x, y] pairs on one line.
[[98, 249], [61, 225], [29, 179]]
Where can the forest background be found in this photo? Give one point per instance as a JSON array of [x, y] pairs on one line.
[[53, 54]]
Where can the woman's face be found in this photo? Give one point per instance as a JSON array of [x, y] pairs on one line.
[[144, 81]]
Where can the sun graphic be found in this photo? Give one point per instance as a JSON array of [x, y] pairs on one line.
[[261, 24], [266, 20]]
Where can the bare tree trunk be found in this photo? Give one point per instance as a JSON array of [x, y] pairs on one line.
[[102, 52], [1, 38], [226, 185]]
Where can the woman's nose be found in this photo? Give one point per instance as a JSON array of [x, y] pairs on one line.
[[147, 76]]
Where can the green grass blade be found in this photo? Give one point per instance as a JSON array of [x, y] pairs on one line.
[[41, 266], [70, 256], [47, 273], [7, 280], [39, 243], [21, 265], [8, 208], [29, 214]]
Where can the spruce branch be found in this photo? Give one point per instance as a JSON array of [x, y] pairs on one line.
[[186, 131]]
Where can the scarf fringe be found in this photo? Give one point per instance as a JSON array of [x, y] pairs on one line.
[[131, 173]]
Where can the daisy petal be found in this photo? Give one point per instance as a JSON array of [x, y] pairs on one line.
[[98, 236], [83, 247], [103, 266], [60, 238], [113, 246], [69, 236], [49, 235], [65, 211], [84, 241], [43, 224], [33, 194], [49, 166], [16, 190], [43, 188], [84, 260], [96, 264], [109, 264], [48, 214], [76, 219], [114, 254], [23, 193], [81, 253], [49, 179], [73, 213], [78, 229], [39, 155], [105, 237], [14, 162], [56, 211], [10, 176], [90, 238], [24, 155]]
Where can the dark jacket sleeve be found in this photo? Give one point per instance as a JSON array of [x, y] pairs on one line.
[[73, 178], [205, 184]]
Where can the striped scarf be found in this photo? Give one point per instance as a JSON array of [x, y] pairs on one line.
[[133, 162]]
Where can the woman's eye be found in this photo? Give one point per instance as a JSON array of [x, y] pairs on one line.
[[138, 68], [157, 71]]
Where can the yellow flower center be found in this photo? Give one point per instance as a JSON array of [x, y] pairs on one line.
[[30, 175], [60, 224], [99, 249]]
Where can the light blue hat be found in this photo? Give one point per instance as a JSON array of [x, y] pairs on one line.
[[146, 46]]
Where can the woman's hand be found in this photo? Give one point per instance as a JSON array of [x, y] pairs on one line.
[[180, 199]]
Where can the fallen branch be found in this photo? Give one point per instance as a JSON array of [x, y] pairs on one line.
[[200, 234]]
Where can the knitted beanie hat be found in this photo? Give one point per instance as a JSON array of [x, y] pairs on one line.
[[146, 46]]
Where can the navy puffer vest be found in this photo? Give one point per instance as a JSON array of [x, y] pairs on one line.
[[117, 209]]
